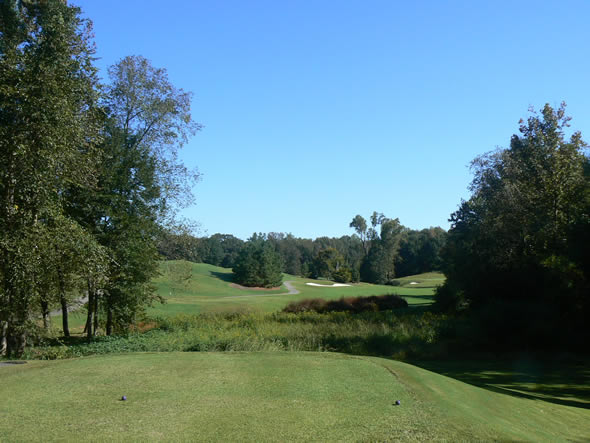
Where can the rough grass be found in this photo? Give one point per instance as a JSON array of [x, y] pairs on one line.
[[264, 397], [403, 334]]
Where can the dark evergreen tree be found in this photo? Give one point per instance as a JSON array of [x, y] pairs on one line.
[[258, 264]]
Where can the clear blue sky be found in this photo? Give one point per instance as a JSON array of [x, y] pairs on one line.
[[315, 111]]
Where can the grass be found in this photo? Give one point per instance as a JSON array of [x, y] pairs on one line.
[[192, 288], [264, 397], [405, 333]]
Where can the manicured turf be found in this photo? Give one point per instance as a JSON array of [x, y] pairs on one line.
[[264, 397], [192, 288]]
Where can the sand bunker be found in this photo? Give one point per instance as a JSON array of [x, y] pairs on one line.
[[335, 285], [414, 283]]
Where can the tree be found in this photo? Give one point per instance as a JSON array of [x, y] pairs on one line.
[[360, 226], [49, 128], [258, 264], [515, 239], [327, 263], [381, 248], [141, 182], [420, 251], [222, 250]]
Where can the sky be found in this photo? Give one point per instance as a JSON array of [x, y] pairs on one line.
[[315, 111]]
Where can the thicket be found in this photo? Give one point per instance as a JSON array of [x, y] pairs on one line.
[[372, 303]]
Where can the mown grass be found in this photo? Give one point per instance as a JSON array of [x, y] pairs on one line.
[[274, 396], [192, 288]]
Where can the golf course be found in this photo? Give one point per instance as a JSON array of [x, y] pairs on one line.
[[266, 385], [272, 221], [266, 397]]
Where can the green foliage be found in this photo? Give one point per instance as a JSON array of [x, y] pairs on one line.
[[49, 131], [328, 263], [516, 239], [401, 334], [258, 264], [381, 248], [221, 250], [420, 251]]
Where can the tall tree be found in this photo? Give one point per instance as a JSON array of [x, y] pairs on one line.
[[515, 239], [49, 127], [141, 183]]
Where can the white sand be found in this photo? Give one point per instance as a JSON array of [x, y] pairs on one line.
[[335, 285], [414, 283]]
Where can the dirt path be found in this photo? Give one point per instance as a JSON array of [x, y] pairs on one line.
[[288, 284]]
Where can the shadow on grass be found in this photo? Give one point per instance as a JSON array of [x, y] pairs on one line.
[[226, 277], [565, 384]]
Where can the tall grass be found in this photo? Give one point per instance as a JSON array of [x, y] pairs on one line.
[[399, 335]]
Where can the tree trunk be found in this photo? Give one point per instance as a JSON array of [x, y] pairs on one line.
[[109, 328], [45, 313], [3, 336], [16, 338], [88, 327], [64, 315], [64, 303], [95, 313]]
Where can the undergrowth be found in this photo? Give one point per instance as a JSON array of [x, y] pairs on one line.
[[399, 335]]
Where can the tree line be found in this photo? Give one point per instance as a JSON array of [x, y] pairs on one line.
[[377, 252], [517, 258], [89, 174]]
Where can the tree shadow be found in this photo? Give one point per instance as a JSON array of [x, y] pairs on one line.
[[226, 277], [565, 384]]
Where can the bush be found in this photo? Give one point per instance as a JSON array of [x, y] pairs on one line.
[[343, 275], [373, 303]]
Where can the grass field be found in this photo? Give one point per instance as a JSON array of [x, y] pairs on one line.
[[265, 397], [192, 288]]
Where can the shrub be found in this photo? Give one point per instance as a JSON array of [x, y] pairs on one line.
[[373, 303], [343, 275]]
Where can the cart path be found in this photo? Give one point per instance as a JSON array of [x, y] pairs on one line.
[[288, 284]]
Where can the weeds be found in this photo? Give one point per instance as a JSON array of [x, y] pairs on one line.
[[384, 333]]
